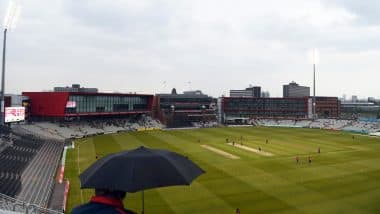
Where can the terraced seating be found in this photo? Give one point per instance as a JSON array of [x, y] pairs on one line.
[[13, 160], [28, 166], [303, 123], [10, 183], [38, 178], [317, 124], [40, 131], [362, 127], [289, 123], [78, 129], [266, 122]]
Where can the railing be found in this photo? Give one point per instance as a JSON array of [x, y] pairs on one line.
[[15, 205]]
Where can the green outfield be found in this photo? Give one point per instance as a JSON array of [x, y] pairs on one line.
[[343, 178]]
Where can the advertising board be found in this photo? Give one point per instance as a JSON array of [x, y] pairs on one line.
[[14, 114]]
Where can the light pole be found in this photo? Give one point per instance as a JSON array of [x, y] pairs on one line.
[[314, 98], [314, 105], [2, 78], [9, 22]]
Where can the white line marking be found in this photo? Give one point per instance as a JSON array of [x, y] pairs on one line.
[[251, 149], [220, 152]]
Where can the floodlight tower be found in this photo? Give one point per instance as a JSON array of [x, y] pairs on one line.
[[314, 99], [9, 23]]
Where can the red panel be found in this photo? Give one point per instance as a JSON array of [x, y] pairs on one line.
[[53, 104], [50, 104]]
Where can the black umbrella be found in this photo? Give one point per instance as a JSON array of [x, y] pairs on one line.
[[140, 169]]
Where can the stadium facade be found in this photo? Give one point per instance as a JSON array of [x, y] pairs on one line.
[[65, 105], [327, 107], [180, 110], [242, 109], [172, 109], [360, 110]]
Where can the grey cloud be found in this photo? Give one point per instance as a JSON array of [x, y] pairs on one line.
[[114, 45], [302, 37], [113, 17], [367, 10]]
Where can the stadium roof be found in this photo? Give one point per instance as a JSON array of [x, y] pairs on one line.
[[183, 96]]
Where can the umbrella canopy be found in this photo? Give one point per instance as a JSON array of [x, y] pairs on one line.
[[140, 169]]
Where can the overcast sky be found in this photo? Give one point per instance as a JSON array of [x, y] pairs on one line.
[[212, 45]]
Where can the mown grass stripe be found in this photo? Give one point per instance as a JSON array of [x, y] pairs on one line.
[[234, 200], [343, 178]]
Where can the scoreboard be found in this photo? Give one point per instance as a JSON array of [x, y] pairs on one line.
[[14, 114]]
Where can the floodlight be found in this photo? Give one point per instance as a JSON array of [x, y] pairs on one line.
[[315, 56], [315, 59], [10, 19], [11, 15]]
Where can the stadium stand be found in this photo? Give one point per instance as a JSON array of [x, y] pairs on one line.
[[38, 178], [13, 160], [79, 129], [206, 124], [332, 124], [362, 127], [303, 123], [39, 129], [265, 122], [27, 168], [329, 124]]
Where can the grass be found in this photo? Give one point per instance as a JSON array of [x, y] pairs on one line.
[[344, 177]]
